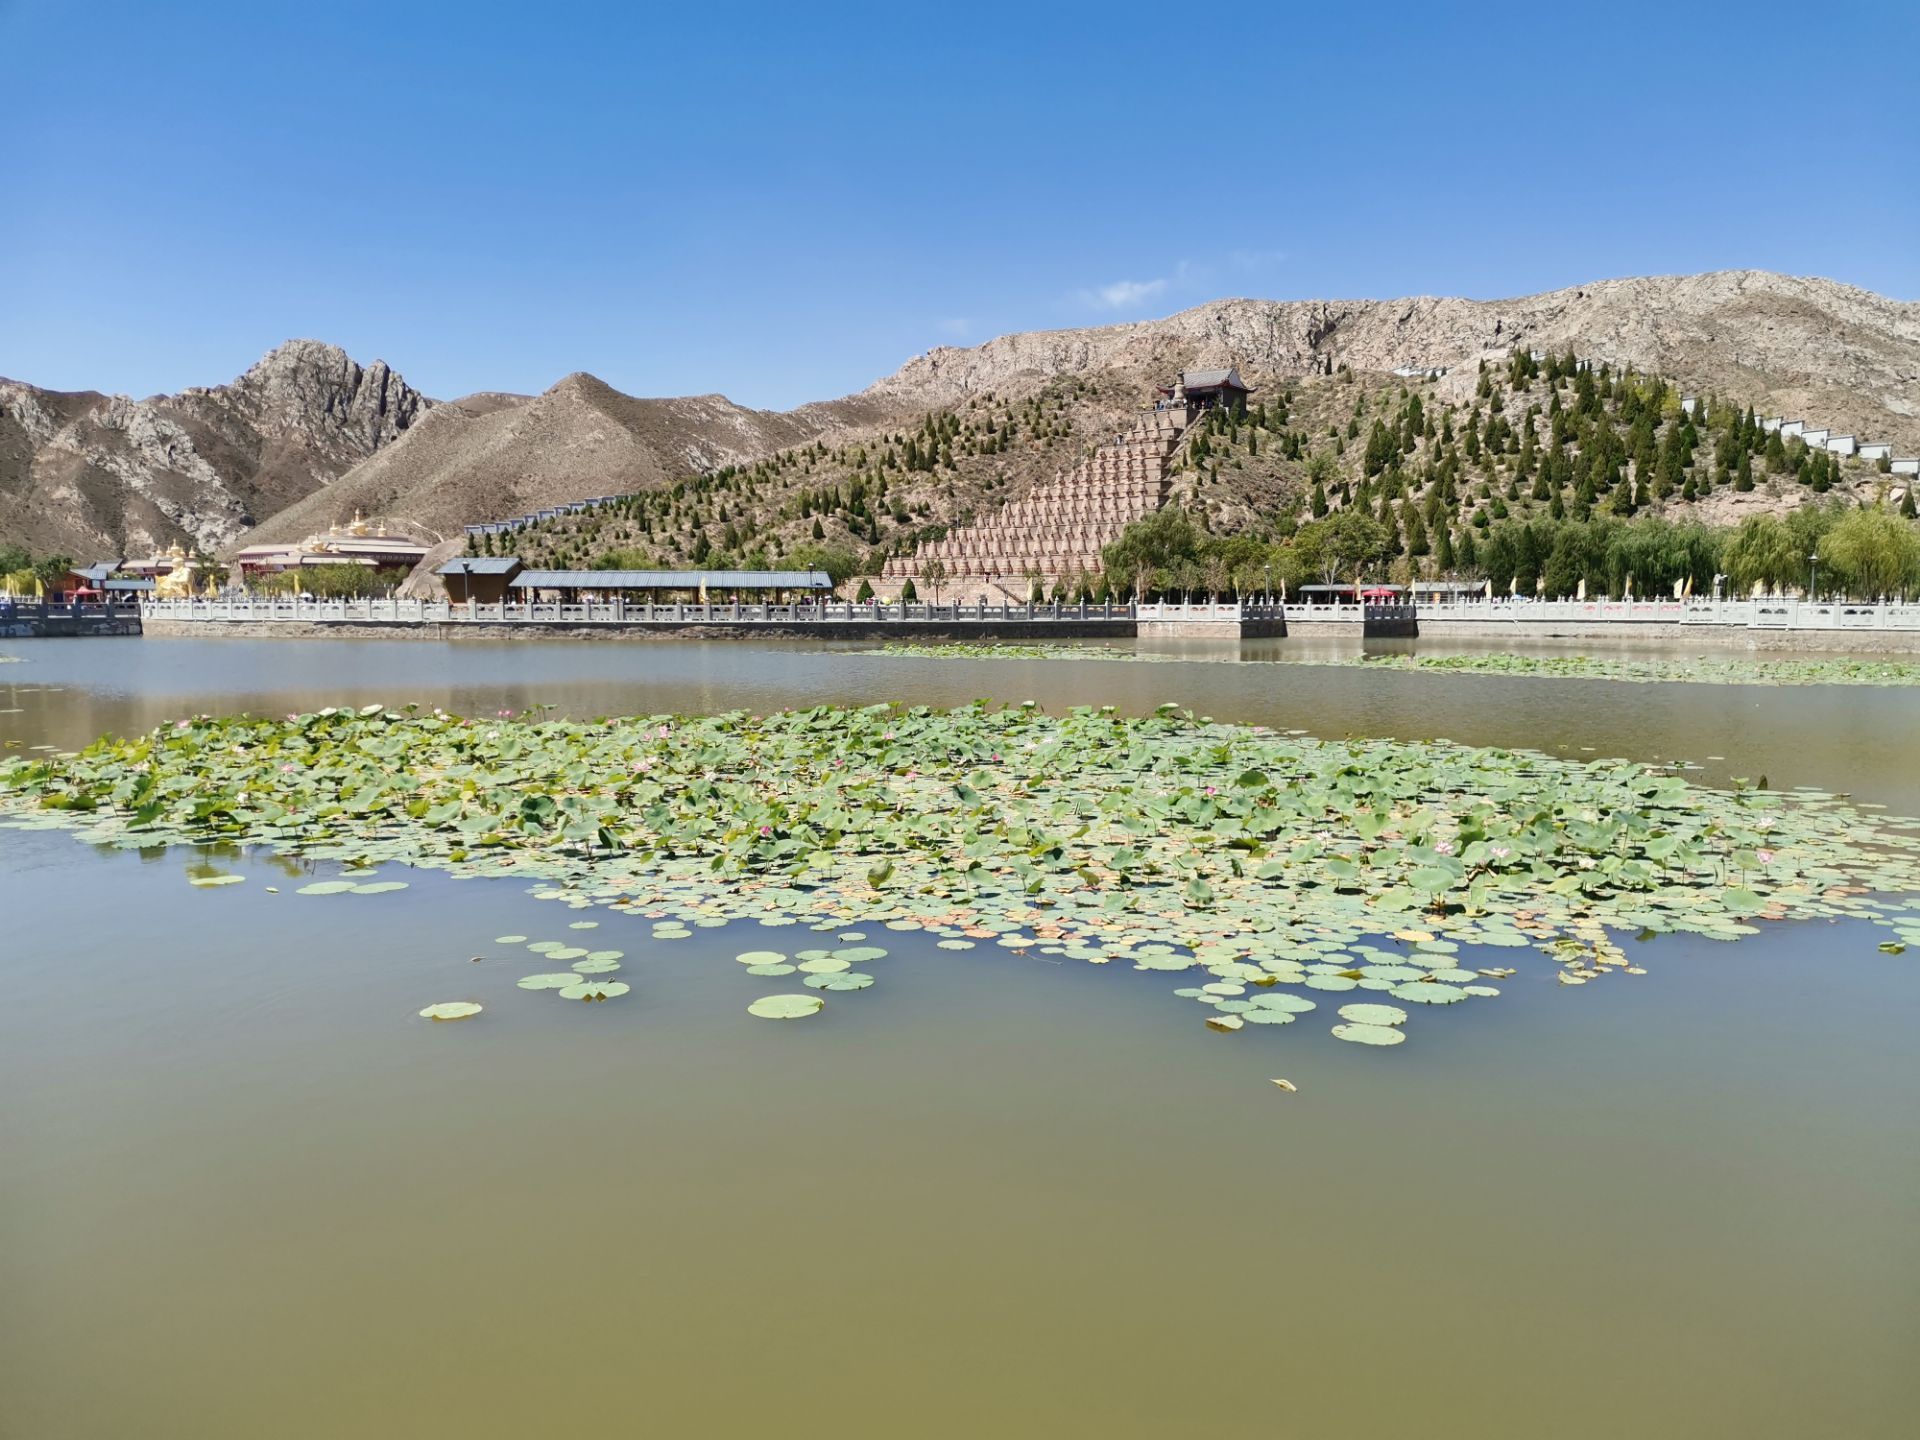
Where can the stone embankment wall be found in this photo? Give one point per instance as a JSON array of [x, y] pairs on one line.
[[1693, 638], [918, 632]]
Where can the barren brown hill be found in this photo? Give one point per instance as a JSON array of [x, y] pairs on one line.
[[101, 476], [495, 455]]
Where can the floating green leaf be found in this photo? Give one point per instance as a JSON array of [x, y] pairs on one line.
[[1373, 1014], [785, 1007], [450, 1010], [1369, 1034], [594, 990]]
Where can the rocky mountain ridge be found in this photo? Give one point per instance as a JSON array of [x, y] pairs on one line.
[[92, 474], [308, 435], [1831, 353]]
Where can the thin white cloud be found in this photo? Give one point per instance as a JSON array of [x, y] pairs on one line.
[[955, 327], [1124, 294], [1256, 259]]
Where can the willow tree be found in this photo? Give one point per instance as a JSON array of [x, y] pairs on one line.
[[1872, 554]]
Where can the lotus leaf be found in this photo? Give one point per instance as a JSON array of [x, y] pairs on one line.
[[1428, 993], [450, 1010], [594, 990], [1373, 1014], [1369, 1034], [1283, 1003], [785, 1007], [849, 980]]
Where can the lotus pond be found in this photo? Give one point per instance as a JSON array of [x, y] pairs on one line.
[[386, 1062]]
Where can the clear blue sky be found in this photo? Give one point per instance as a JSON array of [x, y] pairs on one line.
[[784, 202]]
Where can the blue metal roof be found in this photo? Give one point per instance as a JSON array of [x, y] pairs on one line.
[[673, 580], [480, 565]]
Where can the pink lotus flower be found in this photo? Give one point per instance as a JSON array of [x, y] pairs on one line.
[[1500, 852], [1213, 789], [1766, 857], [1443, 847]]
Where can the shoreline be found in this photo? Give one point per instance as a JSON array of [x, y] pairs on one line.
[[1692, 638]]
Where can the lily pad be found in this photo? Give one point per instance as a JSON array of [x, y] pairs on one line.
[[785, 1007], [1373, 1014], [594, 990], [450, 1010], [1359, 1034]]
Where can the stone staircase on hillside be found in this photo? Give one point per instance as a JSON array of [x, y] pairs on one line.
[[1058, 530]]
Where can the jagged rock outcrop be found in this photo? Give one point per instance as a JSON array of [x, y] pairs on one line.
[[105, 475]]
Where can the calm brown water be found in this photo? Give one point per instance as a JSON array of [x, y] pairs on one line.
[[245, 1192]]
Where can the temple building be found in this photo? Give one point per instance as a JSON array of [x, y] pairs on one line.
[[360, 543], [1198, 390], [174, 573]]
